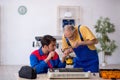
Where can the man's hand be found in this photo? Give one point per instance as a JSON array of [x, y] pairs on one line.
[[64, 57], [68, 51], [51, 54]]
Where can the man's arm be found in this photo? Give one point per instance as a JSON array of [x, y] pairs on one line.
[[88, 37], [40, 66], [87, 42], [62, 63], [51, 54], [59, 63]]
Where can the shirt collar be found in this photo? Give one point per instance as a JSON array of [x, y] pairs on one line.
[[41, 52]]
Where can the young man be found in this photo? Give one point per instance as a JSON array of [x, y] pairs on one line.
[[81, 40], [46, 57]]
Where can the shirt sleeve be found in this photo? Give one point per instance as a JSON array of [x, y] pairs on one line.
[[58, 62], [64, 43], [86, 33], [61, 65], [39, 66]]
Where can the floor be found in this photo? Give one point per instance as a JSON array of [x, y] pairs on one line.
[[9, 72]]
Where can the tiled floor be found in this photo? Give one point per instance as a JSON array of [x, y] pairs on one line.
[[9, 72]]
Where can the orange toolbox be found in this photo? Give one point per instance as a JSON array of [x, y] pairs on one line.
[[109, 73]]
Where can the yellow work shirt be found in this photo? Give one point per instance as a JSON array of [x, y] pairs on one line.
[[86, 34]]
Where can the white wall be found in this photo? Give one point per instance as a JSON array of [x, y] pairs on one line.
[[18, 31]]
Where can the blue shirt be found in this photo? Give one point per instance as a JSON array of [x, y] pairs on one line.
[[37, 62]]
